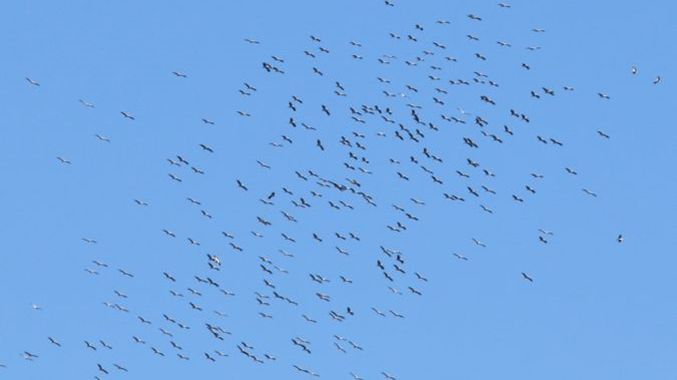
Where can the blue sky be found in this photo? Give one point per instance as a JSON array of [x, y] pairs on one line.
[[596, 308]]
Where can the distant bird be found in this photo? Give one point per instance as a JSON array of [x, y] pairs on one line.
[[460, 257], [620, 238], [125, 273], [127, 115], [101, 369], [31, 81], [64, 161], [479, 243], [657, 80], [53, 341], [527, 277], [140, 202], [86, 103], [179, 74]]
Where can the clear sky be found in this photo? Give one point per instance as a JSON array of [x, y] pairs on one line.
[[596, 308]]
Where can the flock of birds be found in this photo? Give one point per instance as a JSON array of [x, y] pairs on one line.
[[405, 129]]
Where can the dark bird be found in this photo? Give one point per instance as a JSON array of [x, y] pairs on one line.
[[33, 82], [101, 369], [603, 134], [207, 148], [53, 341]]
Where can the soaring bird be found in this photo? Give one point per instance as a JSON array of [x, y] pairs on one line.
[[127, 115], [460, 257], [53, 341], [207, 148], [527, 277], [31, 81], [86, 103]]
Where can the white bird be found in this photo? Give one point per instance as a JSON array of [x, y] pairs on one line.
[[86, 103], [477, 242]]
